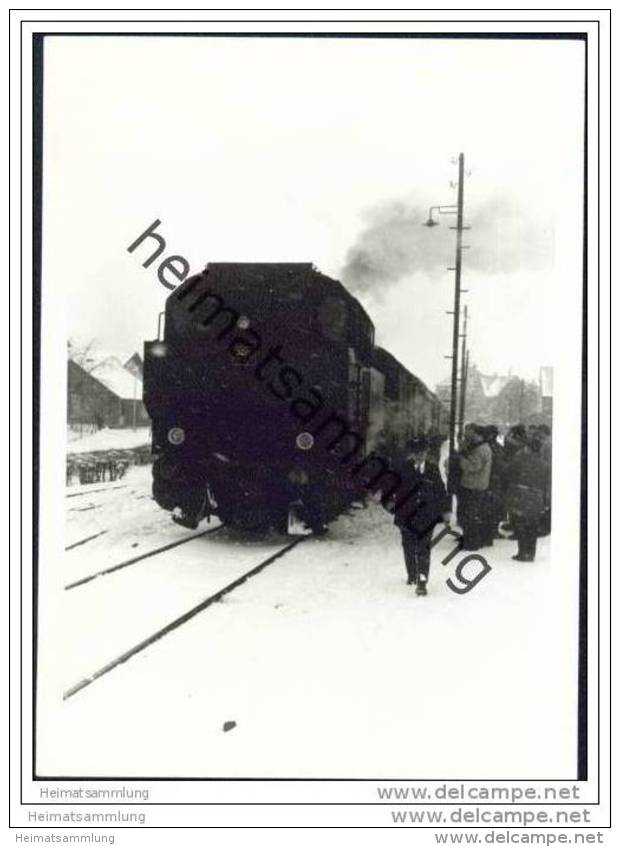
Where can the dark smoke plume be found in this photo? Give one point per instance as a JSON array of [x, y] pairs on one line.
[[503, 239]]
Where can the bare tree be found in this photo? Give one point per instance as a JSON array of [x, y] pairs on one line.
[[518, 400], [84, 353]]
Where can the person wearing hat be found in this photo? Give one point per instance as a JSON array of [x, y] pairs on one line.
[[475, 460], [529, 482], [495, 510], [514, 442], [422, 505]]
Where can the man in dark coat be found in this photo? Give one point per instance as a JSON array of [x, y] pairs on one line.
[[422, 504], [514, 441], [544, 434], [529, 481]]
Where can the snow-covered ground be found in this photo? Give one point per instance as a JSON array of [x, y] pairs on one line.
[[327, 662], [129, 521], [111, 439]]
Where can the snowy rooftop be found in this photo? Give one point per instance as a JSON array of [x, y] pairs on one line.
[[492, 385], [110, 371], [117, 378]]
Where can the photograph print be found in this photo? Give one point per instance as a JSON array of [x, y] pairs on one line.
[[310, 424]]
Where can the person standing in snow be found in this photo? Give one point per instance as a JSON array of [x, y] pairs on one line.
[[422, 505], [514, 441], [495, 510], [475, 460], [529, 482], [544, 433]]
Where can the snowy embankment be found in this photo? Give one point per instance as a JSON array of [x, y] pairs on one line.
[[111, 439], [327, 662]]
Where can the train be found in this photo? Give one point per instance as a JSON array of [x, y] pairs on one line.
[[271, 405]]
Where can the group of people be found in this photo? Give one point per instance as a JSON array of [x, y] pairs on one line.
[[89, 469], [502, 489], [507, 485]]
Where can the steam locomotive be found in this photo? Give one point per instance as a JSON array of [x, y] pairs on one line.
[[270, 401]]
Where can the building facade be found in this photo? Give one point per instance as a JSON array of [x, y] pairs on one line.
[[504, 400], [105, 395]]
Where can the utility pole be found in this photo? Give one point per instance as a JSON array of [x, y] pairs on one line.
[[457, 305], [464, 367], [456, 313]]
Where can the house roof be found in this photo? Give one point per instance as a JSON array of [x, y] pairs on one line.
[[492, 385], [111, 373], [109, 370], [135, 365]]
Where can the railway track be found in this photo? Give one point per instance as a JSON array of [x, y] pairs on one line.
[[97, 490], [85, 540], [180, 620], [85, 508], [135, 559]]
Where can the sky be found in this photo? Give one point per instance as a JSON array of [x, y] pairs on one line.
[[322, 150]]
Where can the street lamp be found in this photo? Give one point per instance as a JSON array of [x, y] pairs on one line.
[[441, 210], [456, 209]]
